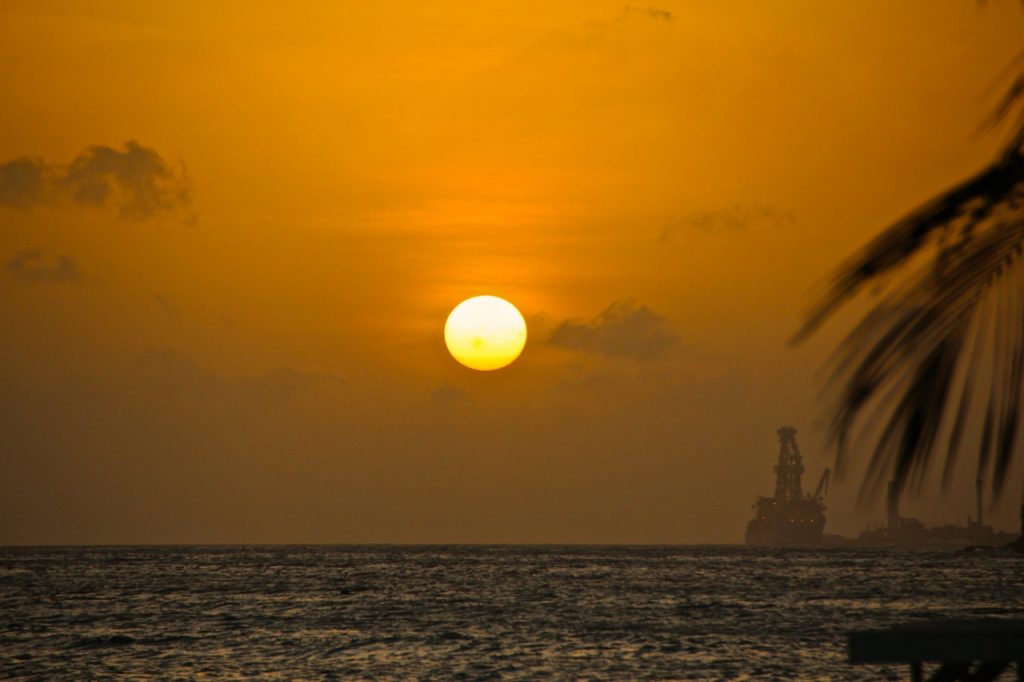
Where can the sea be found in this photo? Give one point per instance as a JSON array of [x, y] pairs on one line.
[[375, 612]]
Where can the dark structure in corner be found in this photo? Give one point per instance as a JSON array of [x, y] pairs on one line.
[[790, 518]]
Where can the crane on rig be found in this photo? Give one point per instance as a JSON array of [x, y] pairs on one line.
[[822, 488]]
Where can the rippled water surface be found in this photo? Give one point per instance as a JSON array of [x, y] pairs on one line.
[[507, 612]]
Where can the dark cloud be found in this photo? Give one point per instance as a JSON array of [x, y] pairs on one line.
[[23, 182], [660, 14], [136, 181], [623, 329], [733, 219], [32, 265]]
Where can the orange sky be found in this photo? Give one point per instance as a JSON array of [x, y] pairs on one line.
[[243, 342]]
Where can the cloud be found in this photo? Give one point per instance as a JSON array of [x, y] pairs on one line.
[[623, 329], [136, 181], [654, 13], [22, 182], [169, 365], [31, 265], [733, 219], [660, 14], [177, 375], [446, 394], [285, 381]]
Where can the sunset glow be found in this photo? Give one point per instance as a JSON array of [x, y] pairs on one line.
[[232, 234]]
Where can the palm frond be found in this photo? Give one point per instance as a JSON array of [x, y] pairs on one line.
[[949, 334]]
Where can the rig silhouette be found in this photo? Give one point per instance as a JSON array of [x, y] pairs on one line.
[[790, 518]]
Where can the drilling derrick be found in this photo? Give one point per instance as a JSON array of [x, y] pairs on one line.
[[790, 518], [790, 467]]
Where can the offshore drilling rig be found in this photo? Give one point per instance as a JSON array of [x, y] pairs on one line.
[[790, 518]]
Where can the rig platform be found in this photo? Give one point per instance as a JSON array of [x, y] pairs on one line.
[[789, 518]]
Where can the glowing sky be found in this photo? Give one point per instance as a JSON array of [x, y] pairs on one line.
[[231, 234]]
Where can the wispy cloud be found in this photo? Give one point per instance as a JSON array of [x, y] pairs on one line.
[[733, 219], [623, 329], [177, 372], [629, 11], [32, 265], [136, 181]]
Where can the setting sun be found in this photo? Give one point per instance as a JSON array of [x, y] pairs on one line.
[[485, 333]]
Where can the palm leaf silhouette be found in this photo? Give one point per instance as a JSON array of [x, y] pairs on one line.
[[945, 345]]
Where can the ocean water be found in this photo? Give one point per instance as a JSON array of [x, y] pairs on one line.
[[475, 612]]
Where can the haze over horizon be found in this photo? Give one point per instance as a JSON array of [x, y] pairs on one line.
[[232, 234]]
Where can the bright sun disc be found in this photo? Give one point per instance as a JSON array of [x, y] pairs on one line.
[[485, 332]]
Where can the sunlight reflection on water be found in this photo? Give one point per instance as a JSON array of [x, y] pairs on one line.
[[374, 612]]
